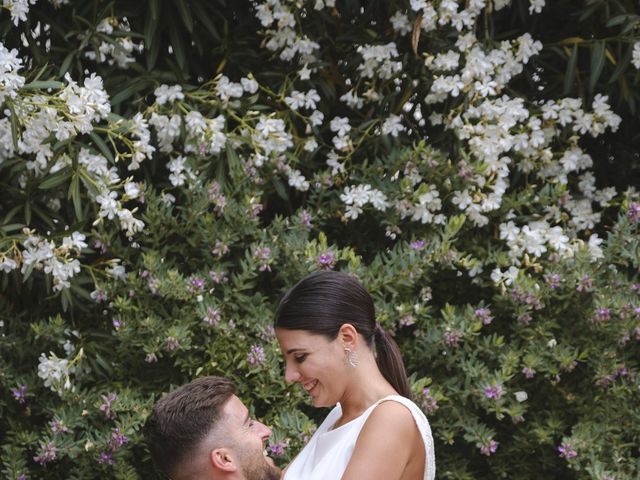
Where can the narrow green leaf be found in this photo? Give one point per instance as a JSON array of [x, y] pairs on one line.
[[203, 17], [150, 27], [12, 227], [154, 50], [622, 65], [597, 63], [66, 63], [617, 20], [56, 179], [14, 125], [281, 190], [74, 194], [43, 85], [570, 73], [43, 216], [102, 146], [153, 7], [27, 213], [185, 14], [178, 46]]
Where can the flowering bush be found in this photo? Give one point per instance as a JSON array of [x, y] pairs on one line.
[[166, 173]]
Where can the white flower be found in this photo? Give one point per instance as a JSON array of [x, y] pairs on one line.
[[249, 84], [226, 89], [393, 125], [7, 264], [536, 6], [400, 23], [521, 396], [297, 181], [165, 94], [635, 59], [340, 125], [55, 372]]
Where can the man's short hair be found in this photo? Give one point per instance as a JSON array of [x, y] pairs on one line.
[[184, 417]]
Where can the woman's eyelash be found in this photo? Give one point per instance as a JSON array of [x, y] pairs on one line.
[[300, 358]]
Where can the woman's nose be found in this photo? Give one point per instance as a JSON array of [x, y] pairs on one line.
[[291, 374]]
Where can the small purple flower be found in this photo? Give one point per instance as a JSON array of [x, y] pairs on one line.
[[19, 394], [57, 427], [484, 314], [429, 402], [489, 448], [256, 356], [218, 277], [47, 453], [277, 449], [268, 333], [105, 458], [106, 406], [407, 320], [98, 295], [553, 280], [263, 256], [196, 284], [151, 358], [524, 319], [220, 249], [117, 323], [117, 440], [585, 284], [325, 260], [417, 245], [566, 451], [172, 343], [528, 372], [494, 392], [452, 337], [602, 314], [212, 317], [305, 218], [22, 476], [634, 212]]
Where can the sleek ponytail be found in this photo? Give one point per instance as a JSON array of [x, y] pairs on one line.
[[390, 361], [324, 301]]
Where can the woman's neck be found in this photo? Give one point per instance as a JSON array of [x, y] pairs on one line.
[[367, 385]]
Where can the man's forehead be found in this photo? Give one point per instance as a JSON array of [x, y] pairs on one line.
[[235, 410]]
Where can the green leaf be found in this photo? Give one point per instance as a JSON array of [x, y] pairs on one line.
[[203, 17], [622, 65], [102, 146], [56, 179], [570, 73], [150, 27], [617, 20], [43, 85], [153, 6], [74, 194], [64, 67], [597, 63], [178, 46], [185, 14]]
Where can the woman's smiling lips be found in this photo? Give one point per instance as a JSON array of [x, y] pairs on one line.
[[308, 386]]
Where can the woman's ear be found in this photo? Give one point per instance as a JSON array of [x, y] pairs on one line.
[[348, 335], [222, 459]]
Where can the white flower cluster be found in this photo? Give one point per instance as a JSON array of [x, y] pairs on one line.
[[120, 48], [536, 238], [279, 20], [380, 61], [168, 94], [425, 208], [44, 116], [58, 261], [56, 372], [20, 8], [357, 197], [10, 79], [271, 136], [205, 136], [635, 56], [181, 173], [226, 89]]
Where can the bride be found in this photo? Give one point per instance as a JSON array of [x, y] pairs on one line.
[[336, 351]]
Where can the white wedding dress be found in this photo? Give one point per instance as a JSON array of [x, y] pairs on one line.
[[327, 454]]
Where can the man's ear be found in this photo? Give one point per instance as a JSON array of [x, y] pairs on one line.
[[223, 459]]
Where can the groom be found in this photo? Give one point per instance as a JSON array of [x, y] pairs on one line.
[[203, 431]]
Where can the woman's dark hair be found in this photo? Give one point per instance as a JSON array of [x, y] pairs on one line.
[[324, 301]]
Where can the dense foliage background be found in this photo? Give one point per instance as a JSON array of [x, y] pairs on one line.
[[169, 168]]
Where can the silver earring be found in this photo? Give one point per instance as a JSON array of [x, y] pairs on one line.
[[351, 358]]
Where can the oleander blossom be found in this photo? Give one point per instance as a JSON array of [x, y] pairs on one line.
[[56, 372]]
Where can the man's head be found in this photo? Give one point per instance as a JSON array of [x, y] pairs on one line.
[[203, 431]]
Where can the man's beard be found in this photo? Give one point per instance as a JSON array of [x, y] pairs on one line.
[[256, 467]]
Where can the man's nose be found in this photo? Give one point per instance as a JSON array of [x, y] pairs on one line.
[[265, 432], [291, 374]]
